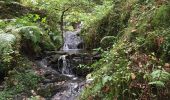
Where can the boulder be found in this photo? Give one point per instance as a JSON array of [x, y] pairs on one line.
[[6, 42], [7, 38]]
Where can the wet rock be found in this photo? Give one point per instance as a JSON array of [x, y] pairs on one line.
[[80, 45], [45, 81], [47, 90], [88, 81], [55, 52], [21, 96]]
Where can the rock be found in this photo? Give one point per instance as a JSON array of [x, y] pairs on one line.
[[81, 45], [46, 90], [6, 43], [88, 81], [7, 38], [55, 52], [45, 81], [55, 58]]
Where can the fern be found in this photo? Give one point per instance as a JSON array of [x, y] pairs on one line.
[[159, 77], [32, 33], [157, 83]]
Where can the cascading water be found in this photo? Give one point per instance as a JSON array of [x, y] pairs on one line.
[[59, 68], [72, 40], [65, 65], [65, 47], [71, 45]]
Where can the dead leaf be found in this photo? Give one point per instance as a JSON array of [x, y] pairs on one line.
[[90, 98], [167, 65], [15, 82], [134, 30], [106, 89], [133, 76]]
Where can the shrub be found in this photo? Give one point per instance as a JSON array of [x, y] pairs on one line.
[[21, 79], [161, 18]]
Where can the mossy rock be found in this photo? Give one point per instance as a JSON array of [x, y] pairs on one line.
[[6, 44], [8, 38], [7, 49], [107, 41], [32, 33], [34, 40]]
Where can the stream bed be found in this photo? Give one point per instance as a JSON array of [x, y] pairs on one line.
[[63, 79]]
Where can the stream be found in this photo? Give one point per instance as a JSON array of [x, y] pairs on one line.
[[60, 68]]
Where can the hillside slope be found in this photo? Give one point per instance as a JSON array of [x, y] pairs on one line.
[[138, 64]]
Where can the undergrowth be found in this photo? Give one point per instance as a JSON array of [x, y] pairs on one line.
[[137, 66]]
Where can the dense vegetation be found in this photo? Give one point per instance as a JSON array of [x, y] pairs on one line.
[[132, 36]]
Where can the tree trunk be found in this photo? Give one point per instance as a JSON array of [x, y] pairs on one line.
[[62, 26]]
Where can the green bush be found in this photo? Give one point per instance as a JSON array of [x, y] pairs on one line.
[[35, 39], [134, 67], [21, 79], [161, 18], [159, 78], [19, 82], [166, 46]]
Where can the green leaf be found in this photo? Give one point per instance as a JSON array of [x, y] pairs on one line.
[[160, 75], [105, 79], [157, 83]]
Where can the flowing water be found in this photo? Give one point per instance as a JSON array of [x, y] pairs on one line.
[[71, 86], [72, 41]]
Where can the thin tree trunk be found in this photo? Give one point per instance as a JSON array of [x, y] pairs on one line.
[[62, 26]]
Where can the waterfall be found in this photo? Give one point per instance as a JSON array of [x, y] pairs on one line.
[[66, 68], [65, 47], [72, 41], [60, 68]]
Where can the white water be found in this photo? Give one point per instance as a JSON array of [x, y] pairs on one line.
[[71, 40], [65, 47], [65, 65]]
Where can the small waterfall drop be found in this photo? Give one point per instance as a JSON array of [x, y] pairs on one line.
[[72, 40], [60, 68], [66, 68], [65, 47]]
